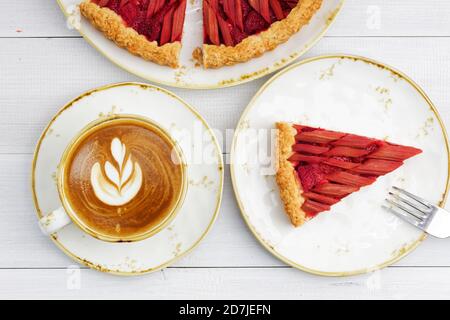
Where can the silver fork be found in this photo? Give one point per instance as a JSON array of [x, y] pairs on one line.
[[419, 212]]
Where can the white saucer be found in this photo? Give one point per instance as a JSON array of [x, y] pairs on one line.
[[205, 177], [355, 95], [194, 77]]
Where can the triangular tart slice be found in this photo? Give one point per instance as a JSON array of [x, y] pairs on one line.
[[317, 168], [151, 29], [238, 30]]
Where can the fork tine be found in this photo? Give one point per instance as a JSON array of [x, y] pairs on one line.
[[422, 212], [404, 216], [403, 208], [416, 198]]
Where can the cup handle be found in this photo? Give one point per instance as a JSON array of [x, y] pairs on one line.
[[54, 221]]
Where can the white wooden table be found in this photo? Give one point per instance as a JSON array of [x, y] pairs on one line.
[[43, 64]]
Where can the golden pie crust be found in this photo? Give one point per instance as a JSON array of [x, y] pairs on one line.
[[114, 28], [254, 46], [290, 187]]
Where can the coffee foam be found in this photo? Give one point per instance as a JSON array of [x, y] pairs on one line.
[[120, 178], [122, 183]]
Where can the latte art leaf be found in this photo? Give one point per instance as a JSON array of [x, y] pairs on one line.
[[121, 184], [127, 171], [118, 151], [112, 174]]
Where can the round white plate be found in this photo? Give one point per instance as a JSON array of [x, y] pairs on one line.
[[204, 172], [355, 95], [190, 76]]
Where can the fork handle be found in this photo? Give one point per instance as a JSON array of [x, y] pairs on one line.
[[440, 224]]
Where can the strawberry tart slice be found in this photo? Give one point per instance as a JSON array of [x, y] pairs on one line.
[[317, 168]]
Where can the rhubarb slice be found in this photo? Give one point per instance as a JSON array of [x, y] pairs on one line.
[[309, 148], [318, 168], [394, 152], [320, 198]]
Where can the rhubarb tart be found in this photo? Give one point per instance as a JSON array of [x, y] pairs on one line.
[[238, 30], [234, 30], [151, 29], [317, 168]]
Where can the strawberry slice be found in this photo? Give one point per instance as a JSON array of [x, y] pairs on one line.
[[313, 207], [354, 141], [335, 190], [394, 152], [319, 136], [178, 21], [347, 178], [302, 158], [320, 198], [277, 9], [166, 30], [310, 176], [377, 167], [309, 148], [347, 152]]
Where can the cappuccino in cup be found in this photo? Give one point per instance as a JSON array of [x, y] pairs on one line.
[[121, 179]]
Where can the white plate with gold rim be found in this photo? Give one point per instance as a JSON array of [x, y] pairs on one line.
[[204, 172], [355, 95], [194, 77]]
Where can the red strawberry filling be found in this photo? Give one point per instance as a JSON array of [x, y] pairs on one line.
[[228, 22], [157, 20], [331, 165]]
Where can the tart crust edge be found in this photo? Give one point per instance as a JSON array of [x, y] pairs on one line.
[[254, 46], [289, 185], [114, 28]]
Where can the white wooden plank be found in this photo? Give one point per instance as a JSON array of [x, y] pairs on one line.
[[37, 76], [230, 243], [36, 18], [31, 93], [391, 283], [393, 18], [42, 18]]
